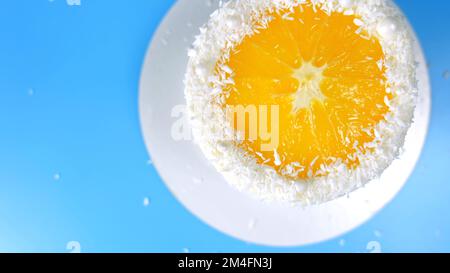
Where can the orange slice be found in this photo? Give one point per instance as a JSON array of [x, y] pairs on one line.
[[327, 78]]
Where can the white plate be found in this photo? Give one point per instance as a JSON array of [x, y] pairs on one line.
[[204, 192]]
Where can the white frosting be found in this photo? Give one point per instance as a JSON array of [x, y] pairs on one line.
[[226, 28]]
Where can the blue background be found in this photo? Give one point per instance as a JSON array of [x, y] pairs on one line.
[[68, 107]]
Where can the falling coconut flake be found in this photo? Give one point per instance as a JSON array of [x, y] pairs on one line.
[[73, 2], [377, 233], [57, 176], [146, 202]]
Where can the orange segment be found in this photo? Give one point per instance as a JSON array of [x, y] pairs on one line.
[[327, 80]]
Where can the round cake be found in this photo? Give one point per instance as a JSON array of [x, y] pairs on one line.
[[302, 101]]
